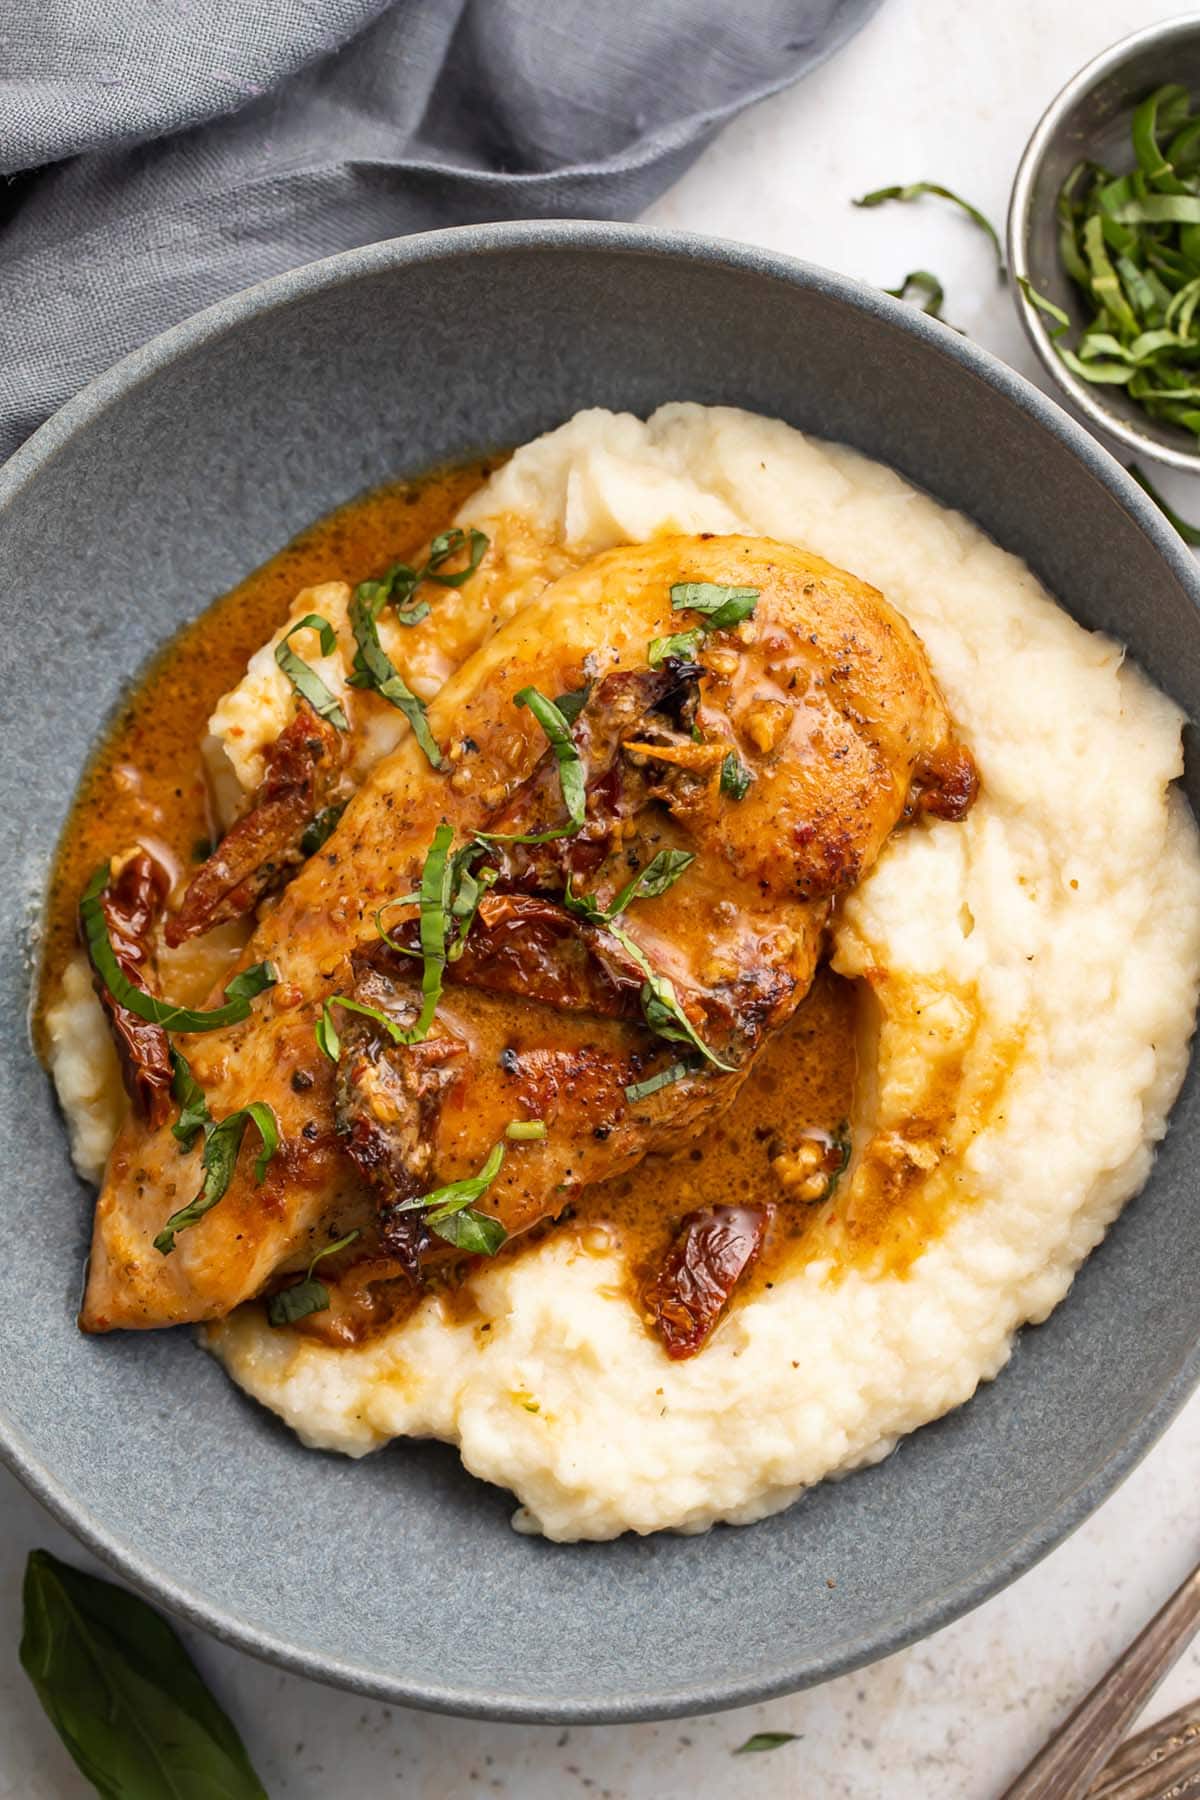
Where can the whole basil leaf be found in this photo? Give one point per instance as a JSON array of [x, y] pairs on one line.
[[123, 1694]]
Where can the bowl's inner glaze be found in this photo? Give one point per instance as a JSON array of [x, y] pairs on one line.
[[400, 1574]]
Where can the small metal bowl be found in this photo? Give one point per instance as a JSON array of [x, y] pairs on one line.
[[1091, 118]]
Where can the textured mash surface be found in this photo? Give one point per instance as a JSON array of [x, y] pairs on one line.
[[1043, 957]]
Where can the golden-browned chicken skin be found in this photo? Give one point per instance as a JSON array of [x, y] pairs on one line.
[[758, 767]]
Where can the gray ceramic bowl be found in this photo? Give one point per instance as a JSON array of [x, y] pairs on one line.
[[155, 490], [1091, 118]]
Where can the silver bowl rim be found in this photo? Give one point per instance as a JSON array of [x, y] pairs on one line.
[[534, 237], [1081, 394]]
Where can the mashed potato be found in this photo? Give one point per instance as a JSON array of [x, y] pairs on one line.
[[1011, 1127]]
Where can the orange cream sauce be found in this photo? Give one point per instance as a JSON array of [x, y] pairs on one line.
[[146, 781]]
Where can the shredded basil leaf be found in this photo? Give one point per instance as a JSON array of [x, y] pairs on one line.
[[1130, 244], [641, 1090], [683, 644], [326, 1034], [320, 828], [720, 607], [402, 581], [735, 777], [920, 285], [1189, 533], [659, 874], [238, 992], [309, 1295], [765, 1740], [221, 1145], [450, 1210], [466, 891], [373, 668], [660, 1004], [434, 901], [456, 1194], [723, 607], [572, 704], [447, 544], [472, 1231], [122, 1693], [916, 190], [194, 1115], [251, 981], [305, 680], [570, 772]]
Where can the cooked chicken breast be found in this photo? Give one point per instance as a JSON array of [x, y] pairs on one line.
[[750, 770]]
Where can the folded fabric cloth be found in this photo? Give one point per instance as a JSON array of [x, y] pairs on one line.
[[167, 154]]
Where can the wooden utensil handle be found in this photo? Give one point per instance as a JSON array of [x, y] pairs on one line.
[[1160, 1763], [1063, 1770]]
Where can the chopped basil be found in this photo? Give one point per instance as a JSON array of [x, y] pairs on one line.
[[920, 285], [434, 901], [238, 992], [1130, 244], [765, 1740], [434, 924], [659, 874], [915, 190], [309, 1295], [221, 1145], [722, 607], [572, 704], [247, 983], [305, 680], [449, 1210], [735, 777], [373, 668], [325, 1031], [570, 772], [660, 1004], [466, 891], [123, 1694], [472, 1231], [447, 544], [525, 1131], [641, 1090], [320, 829], [194, 1115], [402, 581], [684, 644], [326, 1034]]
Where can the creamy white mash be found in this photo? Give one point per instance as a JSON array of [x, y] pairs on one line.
[[1035, 975]]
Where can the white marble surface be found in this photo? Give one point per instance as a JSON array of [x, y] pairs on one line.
[[932, 89]]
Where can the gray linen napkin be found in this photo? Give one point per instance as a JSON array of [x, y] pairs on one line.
[[169, 152]]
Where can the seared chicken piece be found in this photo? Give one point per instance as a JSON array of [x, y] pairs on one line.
[[778, 754]]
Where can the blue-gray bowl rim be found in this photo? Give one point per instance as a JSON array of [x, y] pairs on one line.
[[589, 235]]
